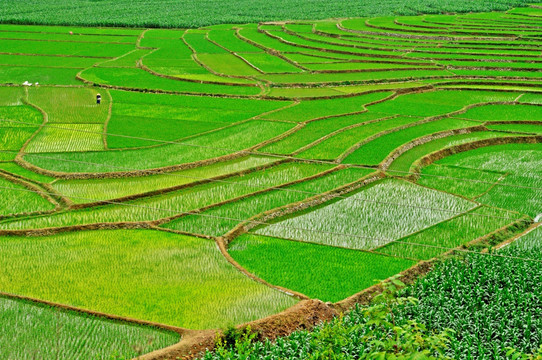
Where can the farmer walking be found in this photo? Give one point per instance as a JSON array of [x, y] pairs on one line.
[[98, 99]]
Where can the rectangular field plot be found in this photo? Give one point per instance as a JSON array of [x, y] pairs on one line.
[[67, 137], [98, 189], [47, 61], [140, 79], [447, 235], [35, 74], [322, 272], [95, 50], [269, 63], [142, 274], [71, 105], [378, 214], [218, 221], [519, 189], [42, 332], [215, 144]]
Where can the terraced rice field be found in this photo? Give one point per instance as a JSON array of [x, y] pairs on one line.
[[232, 171]]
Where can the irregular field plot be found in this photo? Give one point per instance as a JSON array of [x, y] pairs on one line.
[[36, 331], [18, 199], [149, 275], [67, 137], [98, 189], [372, 217], [226, 141], [323, 272], [220, 220]]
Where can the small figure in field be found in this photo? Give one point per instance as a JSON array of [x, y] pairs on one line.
[[98, 99]]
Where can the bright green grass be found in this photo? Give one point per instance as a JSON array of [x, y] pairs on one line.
[[224, 218], [377, 150], [67, 137], [372, 217], [172, 203], [99, 189], [505, 113], [71, 105], [449, 234], [323, 272], [208, 146], [141, 274], [17, 199], [33, 331], [308, 110], [405, 161], [466, 182]]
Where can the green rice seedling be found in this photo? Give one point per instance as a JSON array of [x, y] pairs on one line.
[[142, 274], [129, 59], [521, 162], [315, 130], [442, 237], [405, 161], [350, 78], [307, 110], [17, 199], [36, 331], [21, 171], [36, 74], [217, 143], [269, 63], [97, 50], [140, 79], [374, 152], [172, 203], [99, 189], [466, 182], [505, 113], [11, 96], [13, 138], [70, 105], [300, 93], [49, 61], [227, 64], [67, 37], [229, 40], [340, 143], [531, 99], [218, 221], [67, 137], [322, 272], [439, 102], [372, 217]]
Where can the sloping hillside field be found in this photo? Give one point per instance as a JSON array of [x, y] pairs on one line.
[[232, 171]]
